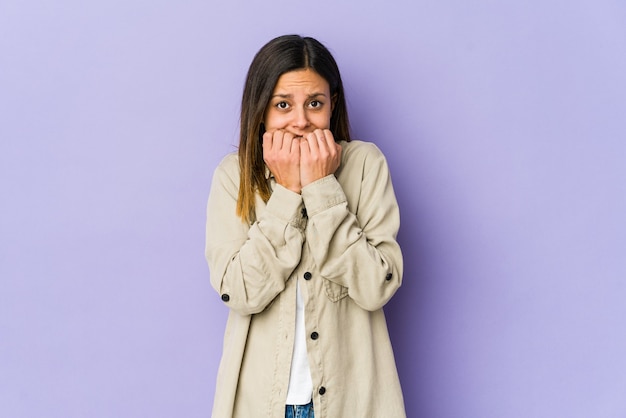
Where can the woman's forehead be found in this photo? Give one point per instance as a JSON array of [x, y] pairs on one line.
[[301, 80]]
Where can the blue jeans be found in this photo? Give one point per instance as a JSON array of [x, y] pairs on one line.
[[299, 411]]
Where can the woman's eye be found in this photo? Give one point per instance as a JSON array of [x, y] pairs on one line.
[[315, 104], [282, 105]]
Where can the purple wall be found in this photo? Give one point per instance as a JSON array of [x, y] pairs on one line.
[[504, 129]]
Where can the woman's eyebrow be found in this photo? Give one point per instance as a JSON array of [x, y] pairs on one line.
[[289, 96]]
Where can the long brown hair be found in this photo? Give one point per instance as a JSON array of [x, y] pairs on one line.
[[278, 56]]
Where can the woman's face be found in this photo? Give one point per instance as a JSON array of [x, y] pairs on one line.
[[300, 103]]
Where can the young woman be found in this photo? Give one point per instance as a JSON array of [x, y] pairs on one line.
[[301, 245]]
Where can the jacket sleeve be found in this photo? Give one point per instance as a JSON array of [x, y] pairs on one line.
[[358, 249], [249, 264]]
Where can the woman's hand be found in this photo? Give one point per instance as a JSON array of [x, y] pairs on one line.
[[281, 153], [320, 156]]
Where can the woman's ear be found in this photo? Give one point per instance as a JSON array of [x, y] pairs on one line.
[[333, 101]]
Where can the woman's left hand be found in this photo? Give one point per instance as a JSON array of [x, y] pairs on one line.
[[320, 156]]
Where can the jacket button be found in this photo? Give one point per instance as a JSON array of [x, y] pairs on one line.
[[225, 297], [388, 276], [307, 276], [314, 335], [322, 390]]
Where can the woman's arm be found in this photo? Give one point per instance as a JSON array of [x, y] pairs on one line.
[[357, 250], [249, 264]]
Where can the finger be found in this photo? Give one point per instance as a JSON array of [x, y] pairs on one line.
[[296, 144], [269, 139], [305, 149], [278, 139], [312, 140], [288, 142], [325, 143], [329, 138], [334, 148]]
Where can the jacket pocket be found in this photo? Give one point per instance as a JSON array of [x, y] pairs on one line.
[[334, 291]]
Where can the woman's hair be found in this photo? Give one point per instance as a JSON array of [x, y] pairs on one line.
[[279, 56]]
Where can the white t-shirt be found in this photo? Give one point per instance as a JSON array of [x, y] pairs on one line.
[[300, 383]]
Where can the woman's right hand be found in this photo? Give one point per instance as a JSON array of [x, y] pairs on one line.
[[281, 153]]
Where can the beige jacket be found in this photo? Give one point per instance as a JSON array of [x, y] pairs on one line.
[[337, 238]]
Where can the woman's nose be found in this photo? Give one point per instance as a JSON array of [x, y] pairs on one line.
[[301, 119]]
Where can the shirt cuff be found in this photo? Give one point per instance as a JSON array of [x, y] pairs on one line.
[[287, 206], [322, 194]]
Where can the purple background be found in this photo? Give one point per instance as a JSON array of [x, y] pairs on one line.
[[504, 127]]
